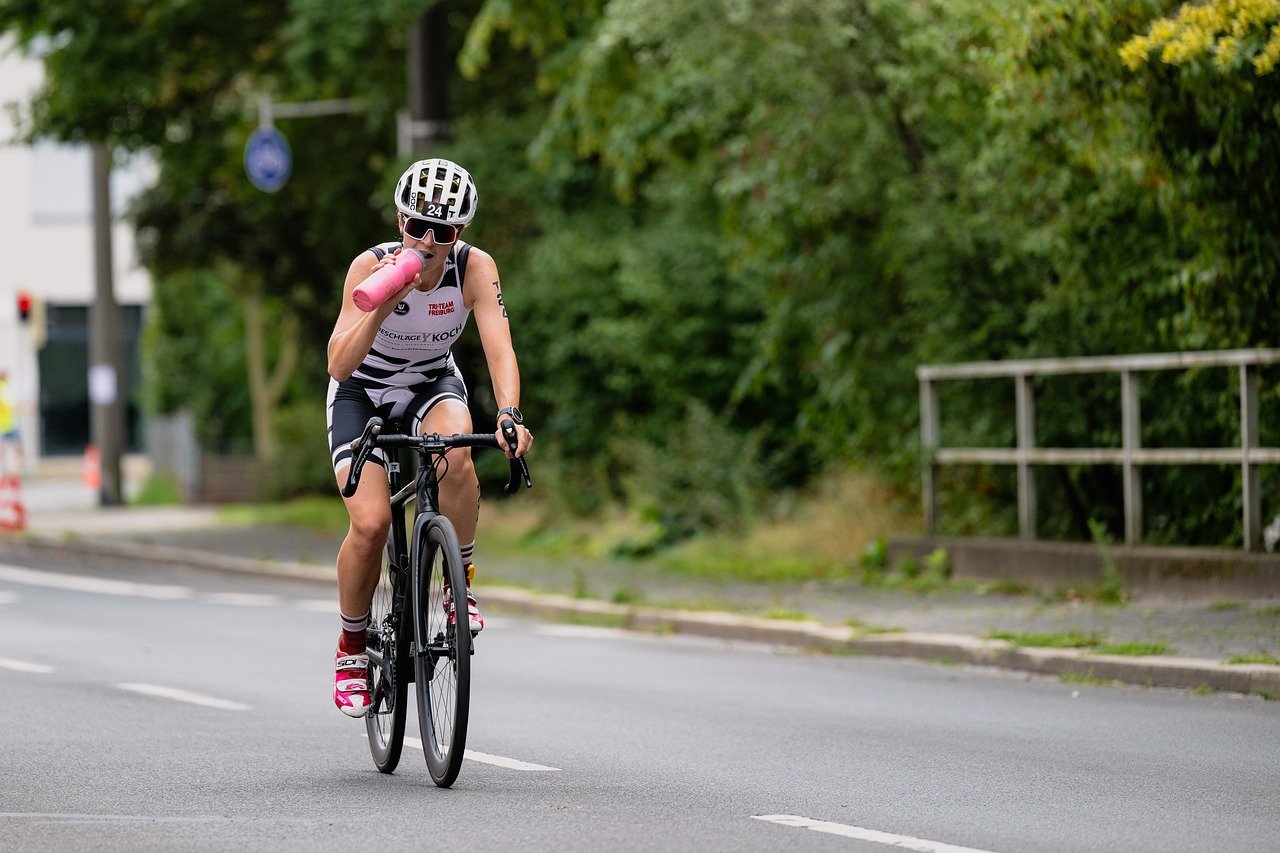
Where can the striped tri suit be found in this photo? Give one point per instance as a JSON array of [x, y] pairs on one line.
[[410, 366]]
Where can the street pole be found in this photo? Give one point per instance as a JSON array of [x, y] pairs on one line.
[[429, 64], [106, 413]]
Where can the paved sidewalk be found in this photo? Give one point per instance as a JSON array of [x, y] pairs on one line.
[[948, 625]]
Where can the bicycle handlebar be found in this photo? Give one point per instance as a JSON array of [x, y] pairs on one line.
[[372, 437]]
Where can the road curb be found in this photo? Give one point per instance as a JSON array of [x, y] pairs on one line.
[[1153, 671], [1163, 671], [80, 549]]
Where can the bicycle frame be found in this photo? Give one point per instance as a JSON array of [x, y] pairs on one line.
[[425, 490]]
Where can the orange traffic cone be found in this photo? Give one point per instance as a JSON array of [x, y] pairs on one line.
[[13, 515], [92, 471]]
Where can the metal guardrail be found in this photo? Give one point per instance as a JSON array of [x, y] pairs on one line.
[[1131, 456]]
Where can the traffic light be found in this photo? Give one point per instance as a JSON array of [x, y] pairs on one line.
[[25, 304]]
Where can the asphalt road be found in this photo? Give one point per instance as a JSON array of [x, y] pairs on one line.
[[603, 740]]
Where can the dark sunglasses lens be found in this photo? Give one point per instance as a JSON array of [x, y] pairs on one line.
[[440, 232]]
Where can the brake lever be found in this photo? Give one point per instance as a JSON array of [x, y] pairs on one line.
[[519, 468], [364, 447]]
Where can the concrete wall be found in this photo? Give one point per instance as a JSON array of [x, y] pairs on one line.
[[1181, 573]]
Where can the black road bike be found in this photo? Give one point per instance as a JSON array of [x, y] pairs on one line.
[[414, 636]]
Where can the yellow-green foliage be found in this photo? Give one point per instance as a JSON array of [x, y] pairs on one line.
[[1224, 29]]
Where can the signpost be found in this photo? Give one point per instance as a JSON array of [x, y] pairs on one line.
[[267, 159]]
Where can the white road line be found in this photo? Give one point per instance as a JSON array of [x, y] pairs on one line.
[[905, 841], [242, 599], [103, 586], [496, 760], [8, 597], [24, 666], [184, 696], [510, 763]]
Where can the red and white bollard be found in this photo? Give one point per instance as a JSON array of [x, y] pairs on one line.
[[13, 513], [91, 473]]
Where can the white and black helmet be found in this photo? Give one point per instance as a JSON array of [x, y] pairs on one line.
[[437, 189]]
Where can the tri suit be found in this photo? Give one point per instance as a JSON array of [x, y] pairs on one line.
[[410, 367]]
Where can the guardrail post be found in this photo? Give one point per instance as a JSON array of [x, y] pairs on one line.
[[928, 447], [1025, 412], [1131, 438], [1250, 486]]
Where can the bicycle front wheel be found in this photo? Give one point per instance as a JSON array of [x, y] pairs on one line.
[[442, 648], [388, 669]]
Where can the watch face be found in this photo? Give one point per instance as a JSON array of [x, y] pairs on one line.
[[515, 413]]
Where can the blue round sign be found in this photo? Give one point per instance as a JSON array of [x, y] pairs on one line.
[[267, 159]]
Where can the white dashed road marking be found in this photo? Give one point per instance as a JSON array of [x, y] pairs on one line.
[[102, 586], [509, 763], [183, 696], [906, 842], [24, 666], [496, 760]]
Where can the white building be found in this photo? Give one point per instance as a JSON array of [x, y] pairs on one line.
[[46, 247]]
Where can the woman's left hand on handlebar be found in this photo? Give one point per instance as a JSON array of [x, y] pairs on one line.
[[524, 441]]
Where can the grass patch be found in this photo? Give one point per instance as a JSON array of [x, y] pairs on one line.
[[1269, 695], [1132, 649], [1225, 605], [867, 628], [1204, 690], [158, 490], [626, 595], [704, 605], [1269, 610], [1060, 640], [789, 615], [1111, 588], [1006, 586], [1088, 678], [817, 535], [912, 575], [1270, 660], [323, 514]]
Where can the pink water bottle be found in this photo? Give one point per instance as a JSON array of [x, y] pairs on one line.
[[387, 281]]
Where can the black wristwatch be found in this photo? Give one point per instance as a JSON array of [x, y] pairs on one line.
[[514, 412]]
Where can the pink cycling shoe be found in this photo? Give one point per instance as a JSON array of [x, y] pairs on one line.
[[474, 620], [351, 683]]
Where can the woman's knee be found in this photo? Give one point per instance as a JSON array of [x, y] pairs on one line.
[[462, 470], [370, 521]]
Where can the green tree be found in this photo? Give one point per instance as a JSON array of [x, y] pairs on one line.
[[1213, 95], [181, 80]]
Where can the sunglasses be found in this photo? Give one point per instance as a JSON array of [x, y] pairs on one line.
[[442, 232]]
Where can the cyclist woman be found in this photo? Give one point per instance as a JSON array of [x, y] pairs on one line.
[[396, 361]]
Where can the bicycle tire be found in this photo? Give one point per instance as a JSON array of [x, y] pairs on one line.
[[441, 653], [388, 679]]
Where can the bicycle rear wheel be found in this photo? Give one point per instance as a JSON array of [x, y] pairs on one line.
[[442, 650], [388, 665]]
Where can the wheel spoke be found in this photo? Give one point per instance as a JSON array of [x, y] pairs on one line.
[[385, 719], [442, 686]]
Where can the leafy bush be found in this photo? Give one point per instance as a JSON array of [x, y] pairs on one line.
[[702, 476]]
